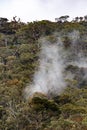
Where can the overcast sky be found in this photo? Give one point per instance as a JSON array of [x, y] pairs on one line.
[[32, 10]]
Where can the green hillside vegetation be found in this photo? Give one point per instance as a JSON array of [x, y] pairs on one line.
[[20, 45]]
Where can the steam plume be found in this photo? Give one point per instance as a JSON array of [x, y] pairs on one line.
[[49, 77]]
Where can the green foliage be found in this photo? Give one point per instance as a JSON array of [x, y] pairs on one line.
[[44, 103], [19, 59]]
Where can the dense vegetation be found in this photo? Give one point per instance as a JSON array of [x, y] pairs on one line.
[[19, 54]]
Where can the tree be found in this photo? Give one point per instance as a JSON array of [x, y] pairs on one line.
[[85, 18], [64, 18], [3, 21], [81, 18], [58, 20], [76, 19]]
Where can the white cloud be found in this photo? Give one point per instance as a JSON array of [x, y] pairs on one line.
[[29, 10]]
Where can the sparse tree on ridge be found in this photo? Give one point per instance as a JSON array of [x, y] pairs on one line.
[[76, 19], [81, 19], [85, 18], [62, 19]]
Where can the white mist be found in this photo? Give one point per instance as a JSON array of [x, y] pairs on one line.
[[49, 77]]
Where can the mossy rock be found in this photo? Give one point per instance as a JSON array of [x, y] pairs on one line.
[[41, 102]]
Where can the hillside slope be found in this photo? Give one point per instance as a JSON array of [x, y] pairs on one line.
[[20, 47]]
